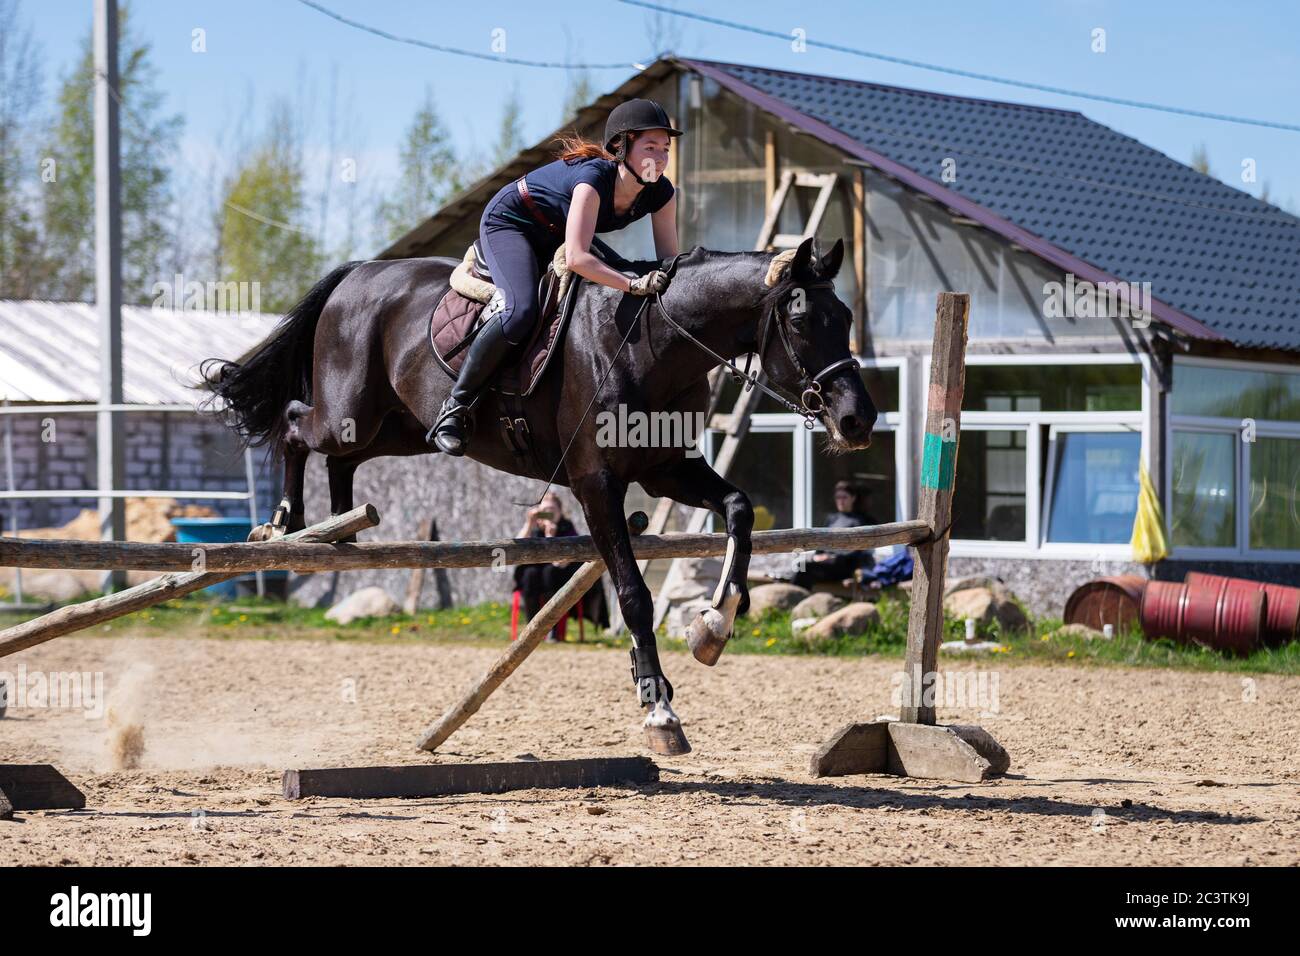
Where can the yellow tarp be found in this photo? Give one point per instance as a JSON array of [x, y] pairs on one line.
[[1149, 526]]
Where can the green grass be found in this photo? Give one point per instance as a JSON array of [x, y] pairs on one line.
[[769, 633]]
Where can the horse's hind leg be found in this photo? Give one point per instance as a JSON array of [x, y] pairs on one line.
[[601, 496], [341, 472], [290, 515]]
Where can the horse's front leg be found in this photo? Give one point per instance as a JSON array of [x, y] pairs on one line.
[[601, 495], [693, 482]]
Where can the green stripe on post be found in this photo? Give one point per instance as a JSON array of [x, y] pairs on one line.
[[937, 462]]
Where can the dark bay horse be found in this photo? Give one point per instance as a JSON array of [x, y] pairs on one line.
[[349, 374]]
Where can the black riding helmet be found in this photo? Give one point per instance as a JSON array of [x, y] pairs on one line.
[[635, 115]]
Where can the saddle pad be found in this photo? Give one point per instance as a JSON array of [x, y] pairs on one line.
[[456, 320]]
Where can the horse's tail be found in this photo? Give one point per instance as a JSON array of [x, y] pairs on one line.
[[256, 390]]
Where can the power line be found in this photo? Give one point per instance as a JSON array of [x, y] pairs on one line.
[[968, 74], [458, 51]]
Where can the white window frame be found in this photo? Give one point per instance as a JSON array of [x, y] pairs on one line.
[[1032, 422], [1264, 428]]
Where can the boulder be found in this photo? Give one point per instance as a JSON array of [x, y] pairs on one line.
[[779, 596], [1080, 630], [818, 604], [367, 602], [985, 605], [953, 585], [851, 619], [695, 578]]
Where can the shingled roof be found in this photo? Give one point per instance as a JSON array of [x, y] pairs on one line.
[[1221, 263]]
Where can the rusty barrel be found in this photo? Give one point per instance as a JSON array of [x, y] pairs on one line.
[[1113, 600], [1162, 609], [1282, 614], [1227, 614]]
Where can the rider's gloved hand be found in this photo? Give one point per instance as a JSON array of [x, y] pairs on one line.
[[651, 283]]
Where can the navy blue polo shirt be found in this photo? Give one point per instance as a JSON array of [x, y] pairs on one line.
[[552, 185]]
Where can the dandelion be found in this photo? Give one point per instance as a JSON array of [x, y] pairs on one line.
[[1046, 637], [395, 629], [755, 632], [770, 642], [1071, 654], [464, 620], [243, 618]]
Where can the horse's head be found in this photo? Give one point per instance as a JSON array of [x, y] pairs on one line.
[[804, 344]]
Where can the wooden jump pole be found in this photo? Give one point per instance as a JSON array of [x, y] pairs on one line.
[[533, 635], [913, 745], [299, 554], [75, 617]]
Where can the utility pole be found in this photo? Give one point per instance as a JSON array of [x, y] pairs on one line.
[[108, 282]]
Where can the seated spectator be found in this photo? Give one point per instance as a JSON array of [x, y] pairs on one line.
[[850, 512]]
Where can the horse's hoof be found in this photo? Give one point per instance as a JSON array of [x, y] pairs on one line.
[[703, 637], [266, 532], [708, 633], [663, 731], [667, 740]]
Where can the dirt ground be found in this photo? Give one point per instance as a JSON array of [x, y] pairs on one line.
[[1108, 765]]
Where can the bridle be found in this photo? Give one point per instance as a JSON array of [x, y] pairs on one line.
[[810, 398]]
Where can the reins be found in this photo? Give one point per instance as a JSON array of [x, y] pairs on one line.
[[810, 398]]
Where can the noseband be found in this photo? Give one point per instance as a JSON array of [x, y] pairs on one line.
[[811, 385]]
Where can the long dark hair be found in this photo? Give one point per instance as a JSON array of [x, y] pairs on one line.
[[577, 146]]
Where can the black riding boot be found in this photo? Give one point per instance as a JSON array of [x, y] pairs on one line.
[[485, 354]]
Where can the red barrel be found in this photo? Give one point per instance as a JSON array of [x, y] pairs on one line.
[[1162, 609], [1112, 600], [1201, 605], [1282, 613], [1242, 611]]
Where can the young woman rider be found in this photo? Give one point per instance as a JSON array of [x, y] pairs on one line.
[[590, 188]]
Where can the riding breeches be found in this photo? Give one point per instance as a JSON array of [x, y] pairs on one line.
[[515, 261]]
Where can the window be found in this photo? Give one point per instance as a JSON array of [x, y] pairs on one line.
[[764, 469], [1274, 487], [1050, 455], [1204, 490], [989, 491], [1235, 393], [1094, 486], [1234, 470], [873, 471], [1077, 388]]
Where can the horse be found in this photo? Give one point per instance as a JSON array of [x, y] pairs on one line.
[[349, 374]]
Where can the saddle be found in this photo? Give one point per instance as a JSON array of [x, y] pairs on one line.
[[458, 317]]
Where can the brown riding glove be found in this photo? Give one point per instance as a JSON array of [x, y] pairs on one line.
[[651, 283]]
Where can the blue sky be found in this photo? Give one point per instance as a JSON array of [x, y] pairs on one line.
[[1241, 59]]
